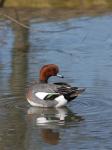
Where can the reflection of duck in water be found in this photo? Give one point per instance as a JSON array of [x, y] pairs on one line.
[[50, 136], [43, 94], [49, 121], [51, 117]]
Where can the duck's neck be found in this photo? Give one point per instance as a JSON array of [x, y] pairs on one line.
[[44, 77], [43, 81]]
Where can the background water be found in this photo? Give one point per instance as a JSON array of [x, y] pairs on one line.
[[82, 47]]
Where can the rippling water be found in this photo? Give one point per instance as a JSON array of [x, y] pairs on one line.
[[84, 56]]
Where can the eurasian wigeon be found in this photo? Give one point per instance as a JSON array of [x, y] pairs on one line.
[[44, 94]]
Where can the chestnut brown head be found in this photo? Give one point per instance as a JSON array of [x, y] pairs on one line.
[[47, 71]]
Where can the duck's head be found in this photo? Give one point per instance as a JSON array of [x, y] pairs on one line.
[[47, 71]]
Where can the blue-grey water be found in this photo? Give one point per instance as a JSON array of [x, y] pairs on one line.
[[82, 47]]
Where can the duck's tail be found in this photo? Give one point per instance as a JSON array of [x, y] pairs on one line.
[[75, 92], [78, 91]]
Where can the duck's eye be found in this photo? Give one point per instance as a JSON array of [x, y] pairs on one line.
[[52, 71]]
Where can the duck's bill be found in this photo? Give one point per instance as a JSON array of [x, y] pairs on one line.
[[60, 76]]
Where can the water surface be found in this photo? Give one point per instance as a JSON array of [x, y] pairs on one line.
[[84, 56]]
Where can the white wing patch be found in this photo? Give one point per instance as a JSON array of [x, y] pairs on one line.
[[41, 95], [60, 99]]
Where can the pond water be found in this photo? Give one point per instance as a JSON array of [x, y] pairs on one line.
[[84, 54]]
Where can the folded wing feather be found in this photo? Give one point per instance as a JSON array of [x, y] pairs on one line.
[[47, 96]]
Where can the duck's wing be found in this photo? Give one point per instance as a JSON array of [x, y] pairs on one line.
[[70, 92], [51, 96], [66, 89]]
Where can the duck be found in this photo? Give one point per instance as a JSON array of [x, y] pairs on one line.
[[44, 94]]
